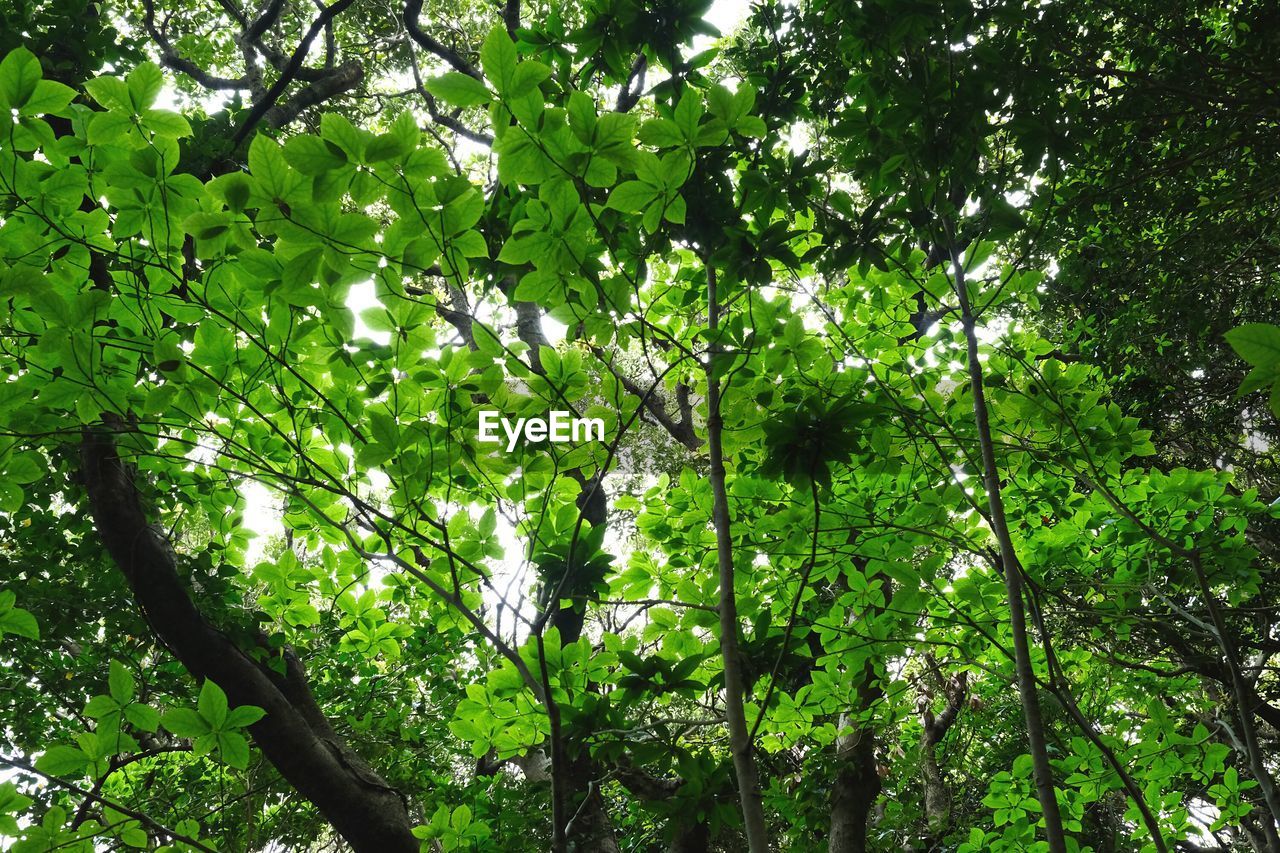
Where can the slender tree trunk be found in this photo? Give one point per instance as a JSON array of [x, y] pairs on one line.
[[1012, 580], [857, 783], [1061, 688], [740, 746], [1243, 696], [580, 821]]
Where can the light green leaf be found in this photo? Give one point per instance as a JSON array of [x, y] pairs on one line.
[[269, 168], [234, 749], [134, 836], [25, 467], [143, 717], [145, 83], [1256, 343], [100, 706], [660, 133], [19, 622], [166, 123], [688, 112], [19, 73], [184, 722], [111, 93], [527, 78], [498, 59], [632, 196], [752, 126], [244, 715], [62, 761], [461, 90], [212, 704], [109, 128], [121, 683], [49, 97]]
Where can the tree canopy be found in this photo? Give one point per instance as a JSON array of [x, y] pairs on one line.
[[936, 507]]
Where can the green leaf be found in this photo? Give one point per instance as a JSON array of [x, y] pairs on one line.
[[752, 126], [339, 130], [143, 717], [234, 749], [111, 93], [1256, 343], [109, 128], [312, 155], [688, 112], [15, 620], [121, 683], [144, 83], [528, 76], [11, 496], [49, 97], [212, 704], [19, 73], [100, 706], [166, 123], [63, 761], [660, 133], [461, 90], [184, 722], [1262, 376], [498, 59], [25, 467], [387, 146], [632, 196], [244, 715], [269, 168], [206, 226], [134, 836]]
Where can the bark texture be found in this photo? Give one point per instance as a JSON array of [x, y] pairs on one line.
[[857, 782], [937, 794]]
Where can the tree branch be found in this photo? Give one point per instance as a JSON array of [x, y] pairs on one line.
[[290, 71], [294, 735], [111, 804], [412, 11]]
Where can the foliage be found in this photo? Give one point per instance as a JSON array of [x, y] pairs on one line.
[[867, 526]]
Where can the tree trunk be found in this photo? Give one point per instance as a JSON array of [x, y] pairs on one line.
[[856, 787], [1012, 580], [857, 783], [937, 794], [740, 746], [294, 735], [691, 836], [589, 829]]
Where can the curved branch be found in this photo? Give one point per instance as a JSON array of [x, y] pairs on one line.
[[294, 735], [412, 11], [290, 71]]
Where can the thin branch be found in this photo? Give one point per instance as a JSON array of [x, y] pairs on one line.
[[111, 804]]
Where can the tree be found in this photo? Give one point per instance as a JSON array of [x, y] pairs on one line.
[[874, 553]]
